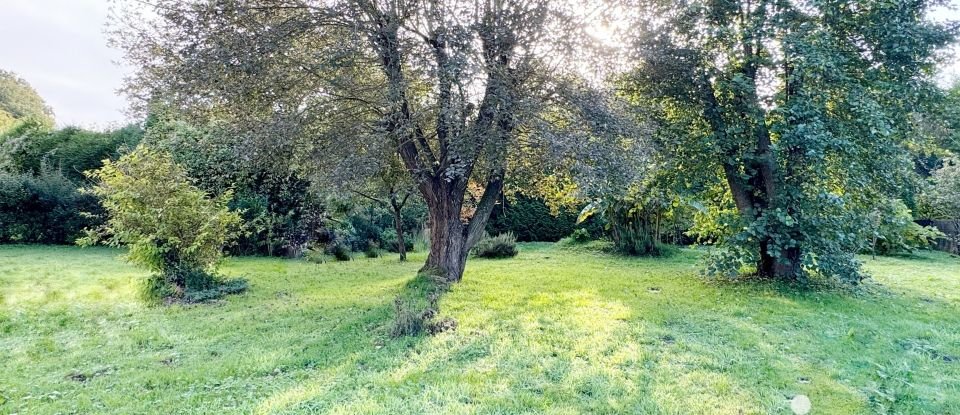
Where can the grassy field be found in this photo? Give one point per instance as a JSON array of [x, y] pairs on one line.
[[551, 331]]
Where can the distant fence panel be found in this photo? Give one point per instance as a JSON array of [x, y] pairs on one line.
[[949, 227]]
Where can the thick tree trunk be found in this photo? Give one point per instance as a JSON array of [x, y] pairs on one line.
[[448, 239], [787, 267]]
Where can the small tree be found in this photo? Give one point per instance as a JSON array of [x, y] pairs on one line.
[[942, 199], [169, 225]]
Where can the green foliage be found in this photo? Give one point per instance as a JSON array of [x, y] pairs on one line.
[[339, 251], [580, 236], [531, 220], [941, 199], [806, 144], [390, 241], [316, 253], [20, 102], [281, 216], [500, 246], [44, 208], [169, 225], [633, 222], [71, 150], [896, 232], [632, 229], [372, 251]]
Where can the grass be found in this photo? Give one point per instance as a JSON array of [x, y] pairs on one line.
[[551, 331]]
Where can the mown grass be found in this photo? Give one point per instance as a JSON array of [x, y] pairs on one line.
[[551, 331]]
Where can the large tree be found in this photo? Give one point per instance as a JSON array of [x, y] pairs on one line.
[[451, 86], [20, 102], [804, 110]]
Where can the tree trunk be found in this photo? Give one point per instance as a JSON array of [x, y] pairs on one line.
[[787, 267], [448, 238]]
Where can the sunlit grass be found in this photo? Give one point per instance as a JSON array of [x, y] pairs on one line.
[[550, 331]]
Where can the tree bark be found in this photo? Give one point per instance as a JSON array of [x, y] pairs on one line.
[[450, 238], [448, 251]]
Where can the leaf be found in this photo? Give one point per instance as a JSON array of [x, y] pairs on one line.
[[588, 211]]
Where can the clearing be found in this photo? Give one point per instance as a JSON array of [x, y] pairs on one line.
[[552, 331]]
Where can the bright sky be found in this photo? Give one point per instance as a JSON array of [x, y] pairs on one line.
[[59, 47]]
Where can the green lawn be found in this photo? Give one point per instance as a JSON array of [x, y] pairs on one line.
[[552, 331]]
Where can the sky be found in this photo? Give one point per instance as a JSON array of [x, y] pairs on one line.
[[60, 48]]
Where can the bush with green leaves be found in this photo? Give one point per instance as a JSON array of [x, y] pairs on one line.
[[632, 222], [72, 150], [45, 208], [941, 199], [896, 232], [500, 246], [580, 236], [389, 238], [339, 251], [531, 220], [168, 225]]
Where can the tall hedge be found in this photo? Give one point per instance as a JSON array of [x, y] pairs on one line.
[[530, 220], [45, 208]]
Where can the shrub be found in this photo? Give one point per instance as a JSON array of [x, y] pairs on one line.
[[389, 238], [580, 236], [500, 246], [372, 251], [532, 220], [316, 254], [896, 232], [72, 150], [941, 200], [339, 251], [45, 208], [632, 222], [169, 226]]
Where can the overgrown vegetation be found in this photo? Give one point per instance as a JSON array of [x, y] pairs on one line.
[[532, 220], [500, 246], [44, 208], [169, 226]]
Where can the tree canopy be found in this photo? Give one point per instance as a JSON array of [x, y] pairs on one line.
[[20, 102], [451, 87], [805, 112]]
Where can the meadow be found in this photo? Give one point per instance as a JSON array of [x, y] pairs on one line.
[[554, 330]]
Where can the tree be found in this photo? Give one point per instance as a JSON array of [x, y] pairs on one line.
[[449, 86], [169, 225], [71, 150], [20, 102], [941, 200], [391, 188], [805, 111]]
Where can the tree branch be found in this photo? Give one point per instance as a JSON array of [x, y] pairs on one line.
[[484, 208]]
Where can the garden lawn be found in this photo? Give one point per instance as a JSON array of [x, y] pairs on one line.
[[552, 331]]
